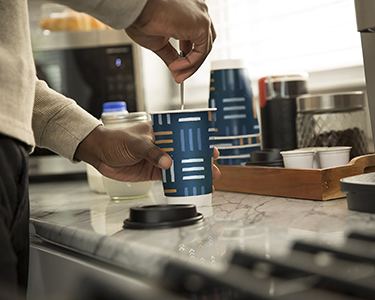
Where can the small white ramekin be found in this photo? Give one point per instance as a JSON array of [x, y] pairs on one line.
[[298, 159], [330, 157]]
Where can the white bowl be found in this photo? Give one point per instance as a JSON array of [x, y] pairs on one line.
[[330, 157], [298, 159]]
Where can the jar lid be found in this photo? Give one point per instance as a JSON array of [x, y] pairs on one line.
[[276, 87], [335, 102], [126, 118], [287, 77], [114, 106]]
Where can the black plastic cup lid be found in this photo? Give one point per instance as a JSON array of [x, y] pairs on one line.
[[276, 163], [266, 155], [162, 216]]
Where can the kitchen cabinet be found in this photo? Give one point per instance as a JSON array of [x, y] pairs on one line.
[[56, 273]]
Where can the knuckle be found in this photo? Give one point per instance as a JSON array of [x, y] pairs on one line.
[[204, 22], [203, 6]]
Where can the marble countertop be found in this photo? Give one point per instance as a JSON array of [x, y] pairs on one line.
[[70, 215]]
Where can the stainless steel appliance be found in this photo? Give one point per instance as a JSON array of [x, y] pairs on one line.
[[360, 190], [365, 10], [91, 68]]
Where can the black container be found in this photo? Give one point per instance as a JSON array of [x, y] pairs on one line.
[[360, 191], [278, 108], [266, 158]]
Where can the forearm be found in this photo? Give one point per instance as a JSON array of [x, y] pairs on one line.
[[58, 122], [118, 14]]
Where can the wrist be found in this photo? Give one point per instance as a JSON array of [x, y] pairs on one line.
[[146, 14], [89, 149]]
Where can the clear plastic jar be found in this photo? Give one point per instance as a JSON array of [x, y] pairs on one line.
[[328, 120], [116, 116]]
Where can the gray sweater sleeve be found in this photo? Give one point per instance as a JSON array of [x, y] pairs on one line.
[[58, 122], [118, 14]]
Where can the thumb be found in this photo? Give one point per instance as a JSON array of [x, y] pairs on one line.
[[146, 149]]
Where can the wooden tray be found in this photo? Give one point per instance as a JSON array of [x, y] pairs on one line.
[[310, 184]]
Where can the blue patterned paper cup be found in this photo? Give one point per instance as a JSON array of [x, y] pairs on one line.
[[184, 135], [231, 94]]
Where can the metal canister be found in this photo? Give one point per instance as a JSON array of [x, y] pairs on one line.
[[336, 119], [277, 97]]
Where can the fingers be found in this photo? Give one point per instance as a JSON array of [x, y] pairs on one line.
[[186, 47], [216, 173], [145, 149], [168, 54], [213, 32], [215, 169], [187, 21], [164, 162], [183, 68], [216, 153], [135, 146], [140, 172]]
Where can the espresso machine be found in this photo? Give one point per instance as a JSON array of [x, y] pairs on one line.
[[361, 189]]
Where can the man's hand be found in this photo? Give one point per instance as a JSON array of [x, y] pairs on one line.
[[187, 21], [127, 155]]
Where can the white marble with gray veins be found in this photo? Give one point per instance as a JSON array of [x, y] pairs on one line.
[[70, 215]]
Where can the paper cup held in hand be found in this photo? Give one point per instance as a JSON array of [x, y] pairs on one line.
[[184, 135]]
